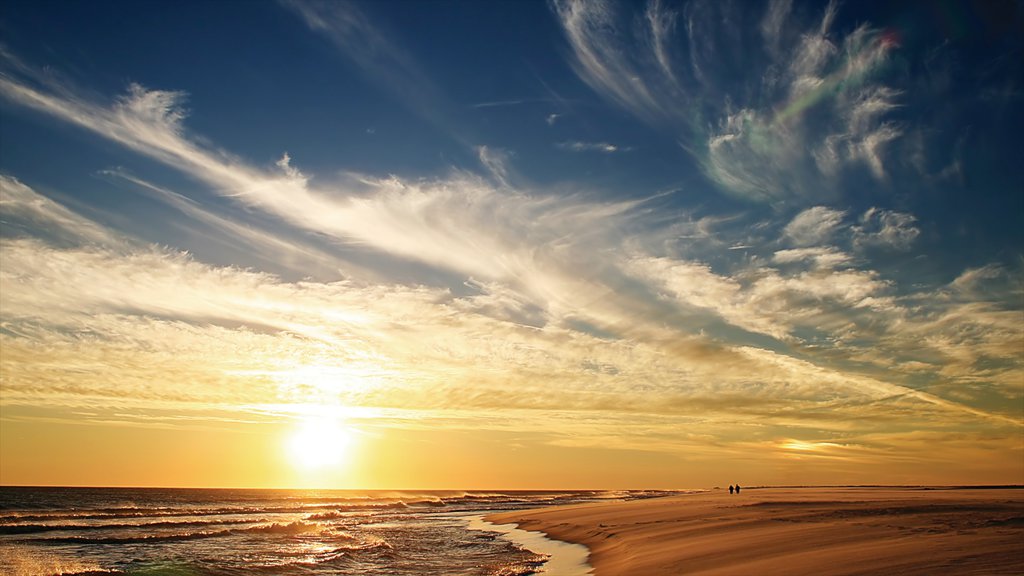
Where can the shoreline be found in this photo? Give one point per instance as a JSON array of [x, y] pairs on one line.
[[847, 530], [562, 558]]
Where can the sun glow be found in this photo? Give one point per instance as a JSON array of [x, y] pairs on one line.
[[318, 444]]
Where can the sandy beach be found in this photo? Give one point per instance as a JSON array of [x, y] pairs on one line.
[[796, 531]]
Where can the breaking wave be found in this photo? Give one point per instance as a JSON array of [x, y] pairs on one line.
[[291, 529]]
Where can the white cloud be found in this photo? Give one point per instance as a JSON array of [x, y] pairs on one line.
[[496, 162], [299, 256], [600, 59], [578, 146], [821, 257], [22, 207], [973, 280], [677, 70], [662, 24], [457, 224], [766, 301], [813, 226], [885, 228], [773, 23]]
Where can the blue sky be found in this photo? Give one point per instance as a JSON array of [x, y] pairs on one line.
[[792, 226]]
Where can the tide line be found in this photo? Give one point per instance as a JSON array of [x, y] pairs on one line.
[[564, 558]]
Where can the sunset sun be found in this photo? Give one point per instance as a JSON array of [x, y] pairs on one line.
[[317, 444]]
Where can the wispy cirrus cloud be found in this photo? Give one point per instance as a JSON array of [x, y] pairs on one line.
[[406, 219], [600, 60], [496, 162], [885, 228], [875, 228], [579, 146], [813, 109], [821, 257], [396, 70], [297, 256], [26, 212], [813, 226]]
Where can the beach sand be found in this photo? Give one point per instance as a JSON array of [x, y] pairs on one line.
[[796, 531]]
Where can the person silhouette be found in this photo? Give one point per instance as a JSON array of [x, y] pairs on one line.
[[730, 488], [737, 488]]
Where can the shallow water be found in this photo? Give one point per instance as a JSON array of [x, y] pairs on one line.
[[563, 558], [281, 532]]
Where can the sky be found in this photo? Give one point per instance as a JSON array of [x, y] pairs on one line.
[[477, 245]]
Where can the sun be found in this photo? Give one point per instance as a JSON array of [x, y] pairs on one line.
[[317, 444]]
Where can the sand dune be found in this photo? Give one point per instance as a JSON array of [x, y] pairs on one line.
[[797, 531]]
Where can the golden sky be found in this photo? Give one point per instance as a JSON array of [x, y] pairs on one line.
[[132, 364]]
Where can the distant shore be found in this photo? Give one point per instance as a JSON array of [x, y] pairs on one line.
[[805, 530]]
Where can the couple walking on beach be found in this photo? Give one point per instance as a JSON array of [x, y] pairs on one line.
[[736, 488]]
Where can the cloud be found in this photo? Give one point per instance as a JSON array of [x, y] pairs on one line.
[[278, 249], [826, 257], [22, 209], [773, 24], [496, 162], [784, 124], [959, 335], [820, 225], [973, 281], [765, 300], [662, 24], [600, 60], [450, 224], [578, 146], [230, 337], [885, 228], [813, 226]]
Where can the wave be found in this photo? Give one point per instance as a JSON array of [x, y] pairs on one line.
[[134, 539], [439, 503], [22, 560], [10, 529], [290, 529], [167, 512], [7, 519], [327, 516], [171, 508]]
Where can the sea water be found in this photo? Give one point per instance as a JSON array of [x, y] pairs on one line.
[[91, 531]]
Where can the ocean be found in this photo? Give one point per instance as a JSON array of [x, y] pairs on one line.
[[224, 532]]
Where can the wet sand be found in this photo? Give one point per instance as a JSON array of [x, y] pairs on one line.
[[796, 531]]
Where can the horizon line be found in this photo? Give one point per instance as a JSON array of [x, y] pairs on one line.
[[510, 490]]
